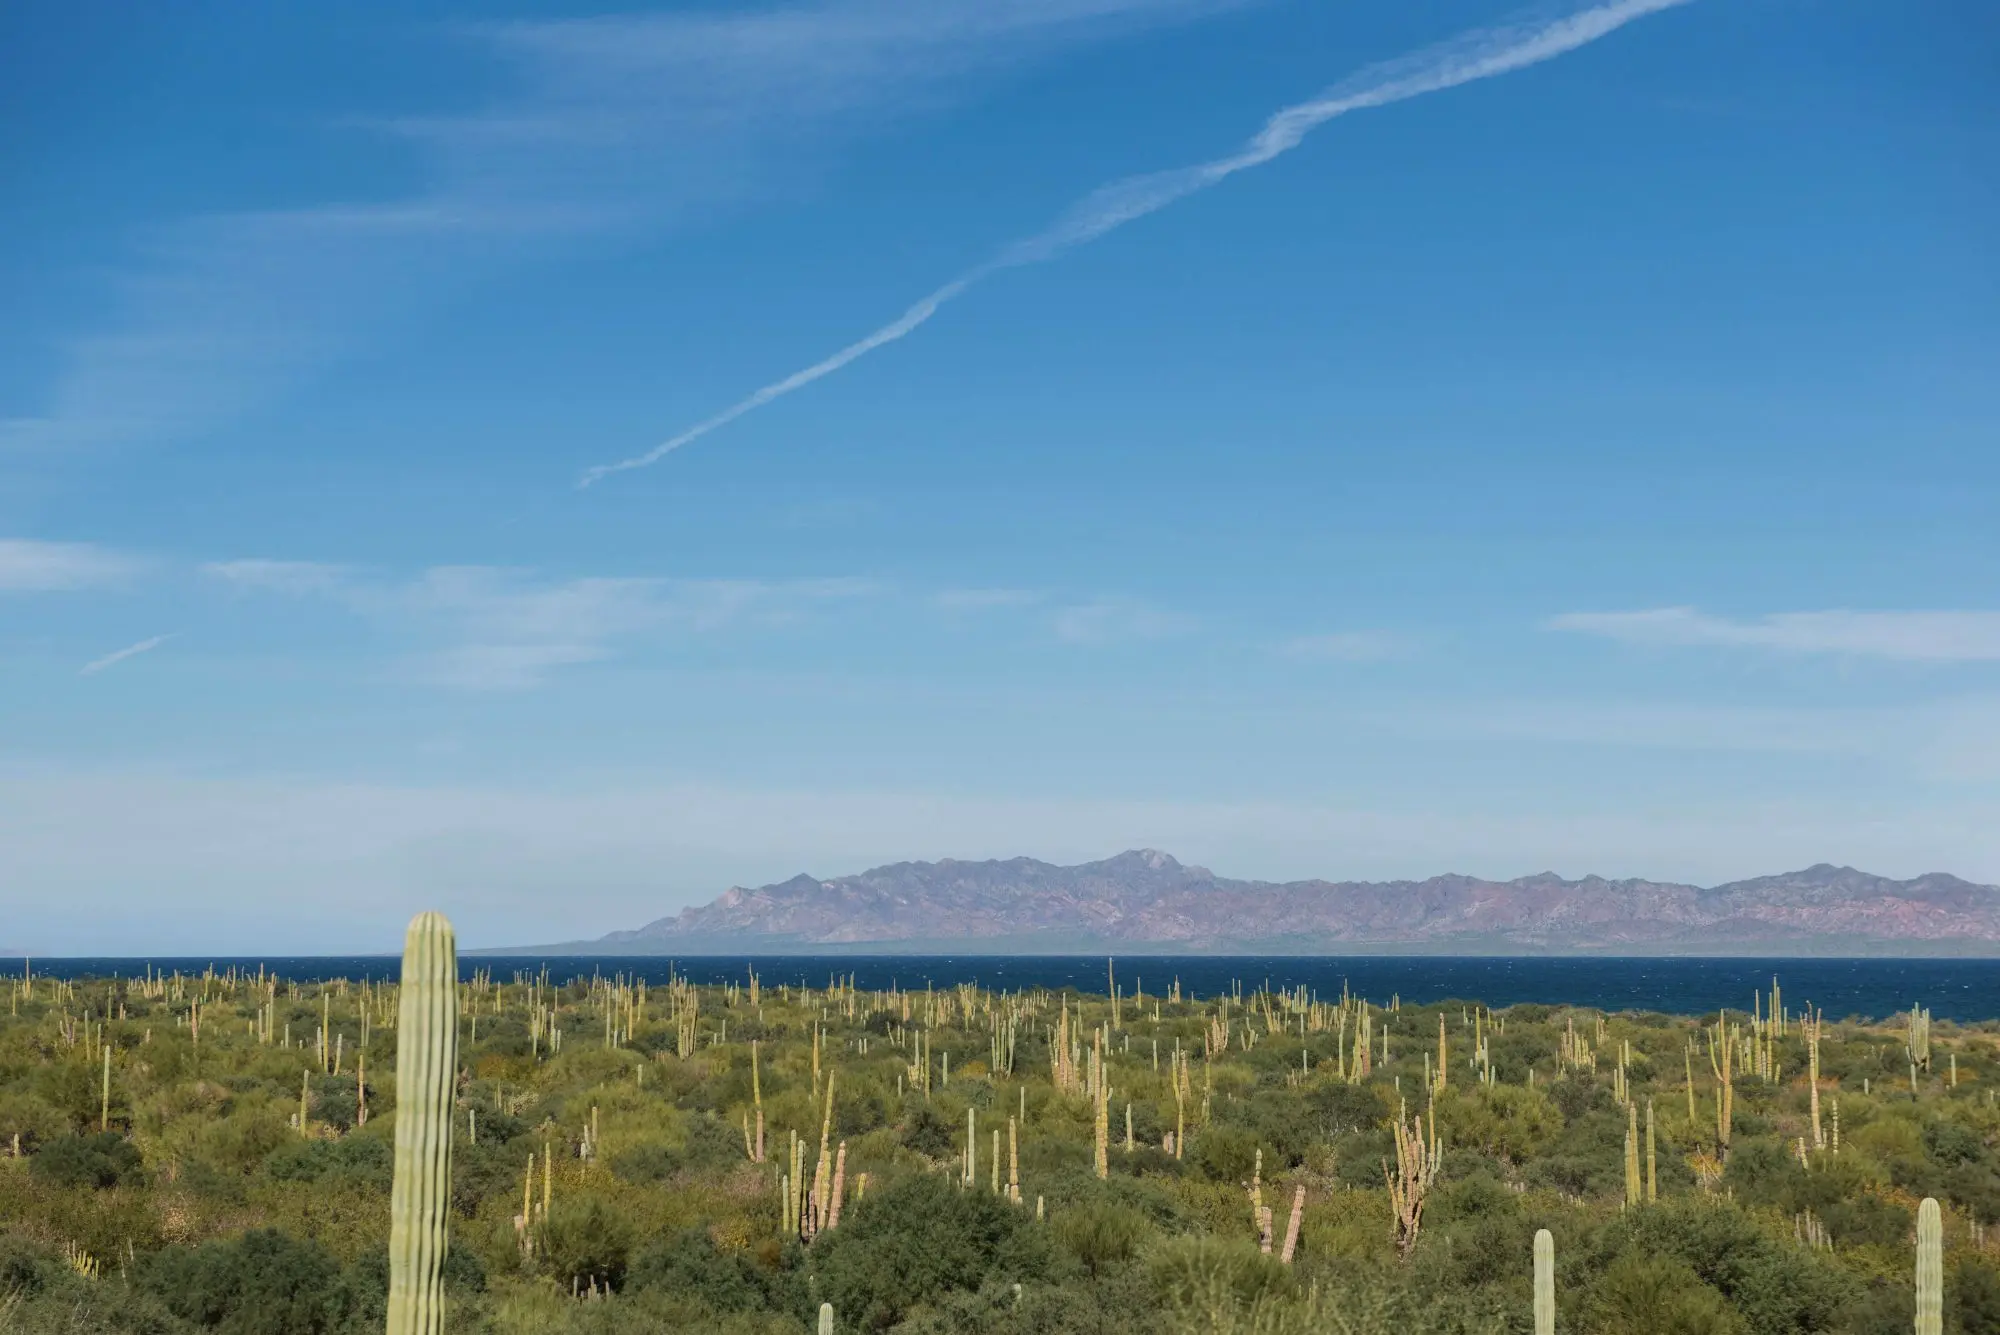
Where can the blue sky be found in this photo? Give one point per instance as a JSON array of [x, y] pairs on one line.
[[1584, 460]]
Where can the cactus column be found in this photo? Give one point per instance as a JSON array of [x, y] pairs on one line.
[[1930, 1269], [1545, 1283], [426, 1071]]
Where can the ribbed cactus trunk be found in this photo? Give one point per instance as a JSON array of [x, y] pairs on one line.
[[826, 1319], [1930, 1269], [426, 1069], [1545, 1283], [1292, 1227]]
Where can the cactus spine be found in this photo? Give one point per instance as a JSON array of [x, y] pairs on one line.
[[1545, 1282], [426, 1072], [1930, 1269]]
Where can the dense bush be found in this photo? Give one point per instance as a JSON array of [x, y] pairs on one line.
[[367, 1161], [689, 1264], [102, 1160], [263, 1283], [585, 1243], [917, 1239]]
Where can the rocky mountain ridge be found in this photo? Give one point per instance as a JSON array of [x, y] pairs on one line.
[[1145, 901]]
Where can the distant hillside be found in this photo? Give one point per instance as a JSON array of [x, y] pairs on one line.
[[1147, 902]]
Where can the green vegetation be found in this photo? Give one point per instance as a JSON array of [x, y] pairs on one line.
[[761, 1160]]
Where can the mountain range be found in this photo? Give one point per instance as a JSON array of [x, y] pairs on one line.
[[1146, 902]]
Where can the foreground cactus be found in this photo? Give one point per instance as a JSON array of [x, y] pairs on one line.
[[1545, 1282], [1930, 1269], [426, 1071]]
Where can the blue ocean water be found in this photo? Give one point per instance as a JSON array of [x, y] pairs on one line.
[[1956, 989]]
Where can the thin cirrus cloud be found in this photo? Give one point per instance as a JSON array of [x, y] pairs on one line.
[[499, 628], [288, 577], [497, 667], [117, 656], [31, 566], [496, 628], [1912, 636], [1117, 621], [979, 600], [1089, 621], [1351, 646], [616, 125], [1480, 54]]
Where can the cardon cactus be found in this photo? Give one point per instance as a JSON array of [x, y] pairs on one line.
[[826, 1319], [1545, 1283], [426, 1071], [1930, 1269]]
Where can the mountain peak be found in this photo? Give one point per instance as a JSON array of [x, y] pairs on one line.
[[1144, 899], [1150, 858]]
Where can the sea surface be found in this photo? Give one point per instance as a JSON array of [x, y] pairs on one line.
[[1956, 989]]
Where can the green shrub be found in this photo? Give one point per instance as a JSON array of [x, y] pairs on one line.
[[1100, 1234], [1339, 1108], [1779, 1288], [102, 1160], [931, 1134], [917, 1238], [690, 1264], [1226, 1153], [585, 1242], [1972, 1298], [71, 1088], [26, 1269], [1952, 1145], [646, 1165], [1188, 1272], [365, 1160], [1658, 1295], [263, 1283]]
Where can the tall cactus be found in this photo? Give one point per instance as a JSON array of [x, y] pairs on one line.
[[826, 1319], [1545, 1282], [1930, 1269], [426, 1071]]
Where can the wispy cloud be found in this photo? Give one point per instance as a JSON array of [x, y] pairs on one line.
[[29, 566], [518, 607], [612, 125], [1656, 725], [1081, 620], [1917, 636], [975, 600], [498, 667], [147, 646], [1115, 621], [218, 313], [292, 577], [1480, 54], [492, 627], [1351, 646]]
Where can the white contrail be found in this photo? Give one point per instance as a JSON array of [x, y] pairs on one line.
[[1480, 54], [98, 665]]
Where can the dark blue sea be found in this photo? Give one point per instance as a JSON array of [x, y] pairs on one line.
[[1957, 989]]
